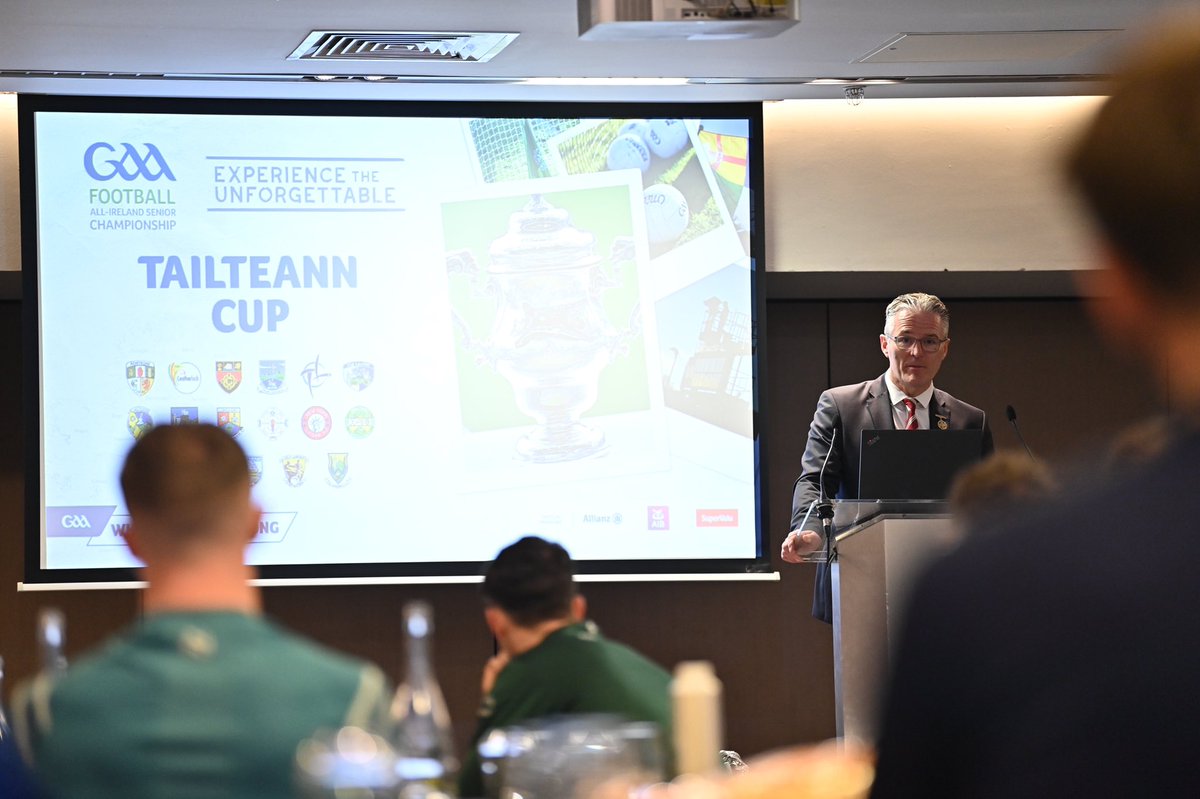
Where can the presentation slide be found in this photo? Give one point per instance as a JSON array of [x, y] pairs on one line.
[[430, 336]]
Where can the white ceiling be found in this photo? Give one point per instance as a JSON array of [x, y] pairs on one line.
[[212, 46]]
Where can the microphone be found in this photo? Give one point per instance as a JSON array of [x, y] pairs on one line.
[[1011, 413]]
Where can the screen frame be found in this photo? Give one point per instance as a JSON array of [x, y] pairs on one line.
[[29, 105]]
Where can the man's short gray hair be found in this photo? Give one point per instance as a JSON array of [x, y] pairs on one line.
[[917, 302]]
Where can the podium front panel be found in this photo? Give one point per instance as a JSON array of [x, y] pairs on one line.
[[876, 565]]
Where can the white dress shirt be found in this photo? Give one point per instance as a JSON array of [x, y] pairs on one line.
[[900, 412]]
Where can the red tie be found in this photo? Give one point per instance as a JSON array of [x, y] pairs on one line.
[[911, 424]]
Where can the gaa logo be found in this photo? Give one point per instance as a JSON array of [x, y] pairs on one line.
[[76, 521], [102, 161]]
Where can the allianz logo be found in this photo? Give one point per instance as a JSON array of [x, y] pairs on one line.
[[603, 518]]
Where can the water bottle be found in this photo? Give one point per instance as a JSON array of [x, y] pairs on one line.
[[696, 717], [423, 737], [15, 780], [5, 730], [52, 634]]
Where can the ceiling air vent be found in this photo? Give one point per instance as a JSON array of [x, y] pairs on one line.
[[400, 46]]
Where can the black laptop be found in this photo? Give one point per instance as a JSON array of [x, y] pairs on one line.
[[914, 464]]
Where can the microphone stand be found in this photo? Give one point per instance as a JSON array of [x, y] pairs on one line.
[[825, 505], [1011, 413]]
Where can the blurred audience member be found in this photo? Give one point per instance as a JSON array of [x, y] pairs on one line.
[[203, 697], [1140, 443], [1059, 657], [1004, 482]]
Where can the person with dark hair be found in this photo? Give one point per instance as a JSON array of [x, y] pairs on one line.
[[1058, 656], [550, 659], [915, 340], [203, 696]]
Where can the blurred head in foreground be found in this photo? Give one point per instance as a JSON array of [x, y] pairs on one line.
[[996, 486], [1137, 168], [1140, 443]]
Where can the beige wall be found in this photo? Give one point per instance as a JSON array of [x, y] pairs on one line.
[[10, 217], [966, 184]]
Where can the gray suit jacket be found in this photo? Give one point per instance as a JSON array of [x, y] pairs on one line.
[[850, 410]]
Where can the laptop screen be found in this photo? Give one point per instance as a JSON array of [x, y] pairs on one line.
[[914, 464]]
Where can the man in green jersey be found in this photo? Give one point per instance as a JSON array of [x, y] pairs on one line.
[[551, 660], [203, 697]]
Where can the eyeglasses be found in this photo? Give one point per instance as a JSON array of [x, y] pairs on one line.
[[929, 343]]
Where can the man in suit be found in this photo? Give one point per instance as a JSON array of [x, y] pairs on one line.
[[1059, 656], [915, 341]]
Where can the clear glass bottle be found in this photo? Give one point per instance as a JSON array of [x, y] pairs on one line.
[[423, 736], [52, 635], [5, 731]]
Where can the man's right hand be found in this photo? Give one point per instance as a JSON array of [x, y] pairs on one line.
[[491, 670], [799, 543]]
